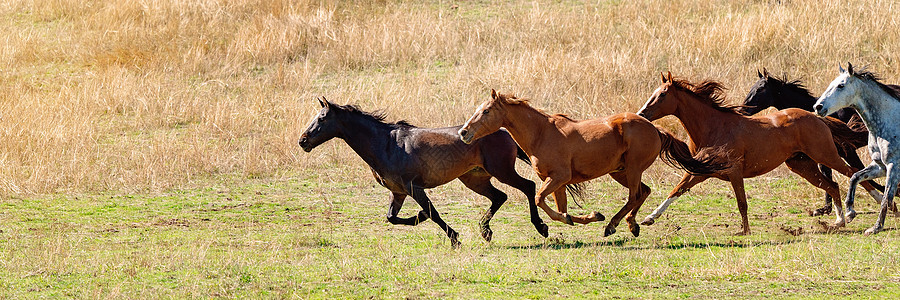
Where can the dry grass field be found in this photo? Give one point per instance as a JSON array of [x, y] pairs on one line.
[[148, 148]]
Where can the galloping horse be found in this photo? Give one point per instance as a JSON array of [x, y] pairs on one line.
[[565, 151], [407, 160], [879, 107], [754, 145], [781, 94]]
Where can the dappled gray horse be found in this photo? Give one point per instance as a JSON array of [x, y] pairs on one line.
[[879, 107]]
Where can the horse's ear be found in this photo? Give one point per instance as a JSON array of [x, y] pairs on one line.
[[669, 73], [662, 76], [849, 68], [841, 69], [321, 103], [493, 94], [759, 74], [765, 72]]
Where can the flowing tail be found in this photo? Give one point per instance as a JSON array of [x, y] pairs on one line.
[[846, 139], [677, 154], [575, 190]]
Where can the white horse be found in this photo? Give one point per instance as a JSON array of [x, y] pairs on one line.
[[879, 107]]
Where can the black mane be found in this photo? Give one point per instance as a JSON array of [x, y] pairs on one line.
[[376, 116], [794, 85]]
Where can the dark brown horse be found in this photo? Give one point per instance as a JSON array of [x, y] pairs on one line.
[[407, 160], [781, 93], [565, 151], [755, 145]]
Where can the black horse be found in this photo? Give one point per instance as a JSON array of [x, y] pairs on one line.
[[407, 160], [782, 93]]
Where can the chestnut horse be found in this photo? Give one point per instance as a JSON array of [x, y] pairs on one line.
[[407, 160], [755, 145], [565, 151]]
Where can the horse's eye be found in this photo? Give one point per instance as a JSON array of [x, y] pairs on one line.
[[484, 112], [840, 86]]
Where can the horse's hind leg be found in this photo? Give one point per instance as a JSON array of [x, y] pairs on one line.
[[394, 209], [808, 169], [826, 209], [637, 193], [507, 175], [687, 182], [481, 184], [418, 193]]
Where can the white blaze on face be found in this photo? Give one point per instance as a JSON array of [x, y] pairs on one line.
[[655, 92], [477, 113]]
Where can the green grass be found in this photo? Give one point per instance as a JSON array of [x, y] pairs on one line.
[[307, 237]]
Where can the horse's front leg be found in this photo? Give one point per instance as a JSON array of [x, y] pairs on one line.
[[870, 172], [562, 204], [549, 186], [418, 193], [893, 179], [396, 204]]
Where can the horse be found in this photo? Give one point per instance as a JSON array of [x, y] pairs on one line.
[[407, 160], [567, 151], [755, 145], [879, 106], [782, 93]]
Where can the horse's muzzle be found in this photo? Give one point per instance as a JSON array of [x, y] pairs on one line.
[[465, 136], [304, 143]]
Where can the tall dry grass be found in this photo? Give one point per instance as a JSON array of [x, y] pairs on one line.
[[136, 95]]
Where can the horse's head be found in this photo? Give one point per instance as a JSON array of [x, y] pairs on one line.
[[664, 100], [762, 94], [842, 92], [322, 127], [488, 118]]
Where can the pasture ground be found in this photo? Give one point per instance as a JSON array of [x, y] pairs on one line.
[[304, 236]]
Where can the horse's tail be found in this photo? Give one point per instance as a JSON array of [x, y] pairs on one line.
[[676, 153], [575, 190], [845, 138]]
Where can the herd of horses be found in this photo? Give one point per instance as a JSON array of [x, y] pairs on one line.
[[810, 135]]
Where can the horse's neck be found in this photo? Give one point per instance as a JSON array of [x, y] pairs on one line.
[[525, 124], [699, 119], [879, 112], [365, 137], [794, 99]]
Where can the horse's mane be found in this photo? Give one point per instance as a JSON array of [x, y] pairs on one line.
[[513, 100], [795, 85], [868, 75], [710, 91], [376, 116]]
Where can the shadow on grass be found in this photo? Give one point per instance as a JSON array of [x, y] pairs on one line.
[[622, 243]]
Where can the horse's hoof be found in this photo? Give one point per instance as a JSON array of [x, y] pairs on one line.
[[543, 229], [648, 221], [568, 219], [635, 230], [850, 215], [872, 231], [455, 244], [598, 216], [609, 231], [822, 211], [487, 234]]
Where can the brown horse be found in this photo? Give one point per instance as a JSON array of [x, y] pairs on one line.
[[755, 145], [565, 151]]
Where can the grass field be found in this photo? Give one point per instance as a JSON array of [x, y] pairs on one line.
[[148, 148]]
